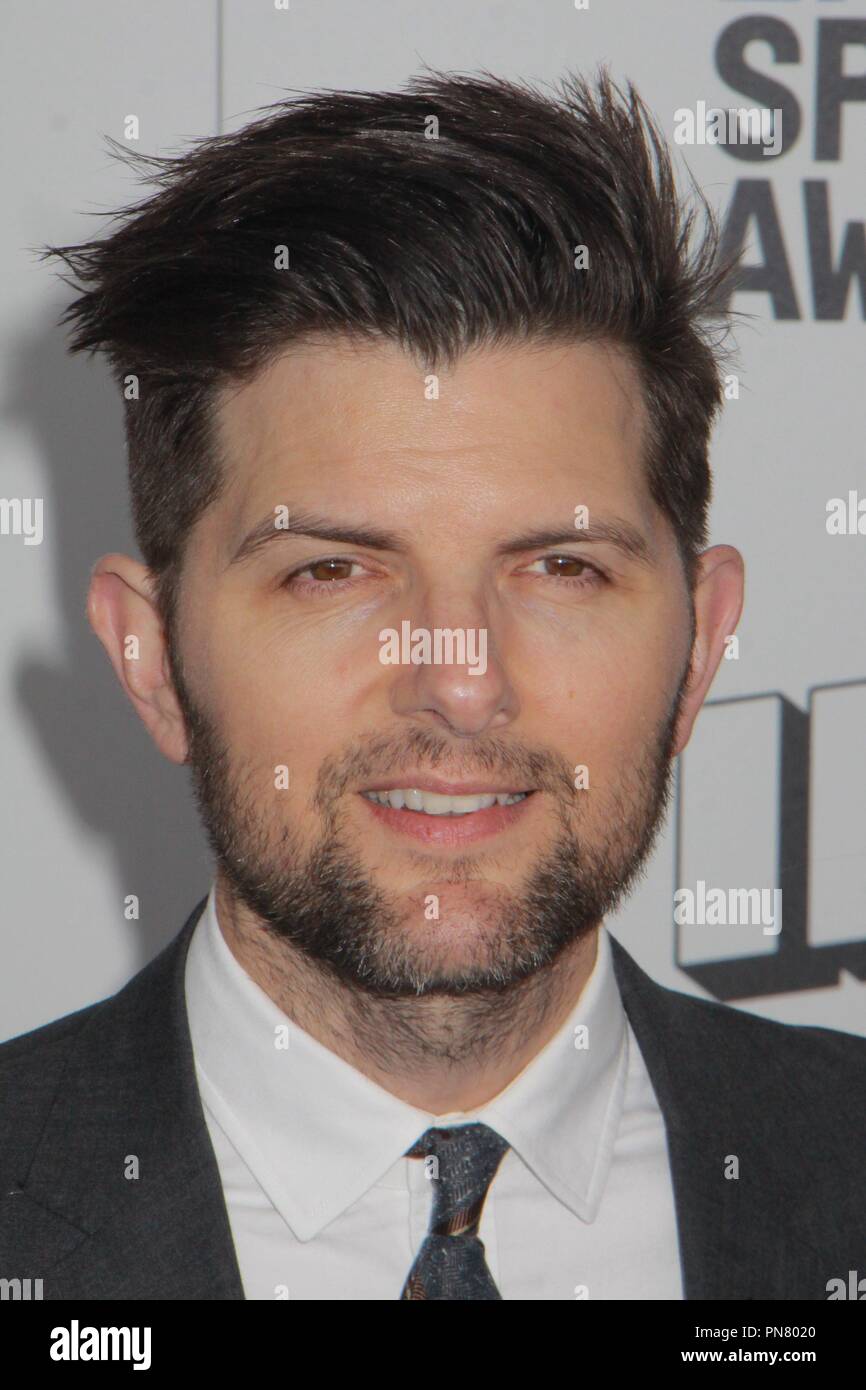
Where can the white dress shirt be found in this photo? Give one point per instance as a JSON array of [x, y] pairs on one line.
[[324, 1205]]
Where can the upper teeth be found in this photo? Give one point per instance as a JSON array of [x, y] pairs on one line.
[[434, 804]]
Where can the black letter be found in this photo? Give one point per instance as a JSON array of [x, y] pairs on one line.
[[829, 286], [732, 67], [833, 88], [754, 198]]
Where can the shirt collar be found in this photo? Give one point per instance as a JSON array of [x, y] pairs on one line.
[[317, 1133]]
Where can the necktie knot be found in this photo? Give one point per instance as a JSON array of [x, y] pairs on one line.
[[462, 1163]]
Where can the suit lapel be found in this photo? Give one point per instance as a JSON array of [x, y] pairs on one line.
[[737, 1239], [123, 1198]]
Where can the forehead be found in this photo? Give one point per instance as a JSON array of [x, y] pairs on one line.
[[349, 421]]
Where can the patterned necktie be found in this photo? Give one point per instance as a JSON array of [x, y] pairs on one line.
[[451, 1263]]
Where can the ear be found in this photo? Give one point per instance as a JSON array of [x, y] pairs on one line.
[[122, 611], [718, 600]]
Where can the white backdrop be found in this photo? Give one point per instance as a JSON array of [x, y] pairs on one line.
[[772, 790]]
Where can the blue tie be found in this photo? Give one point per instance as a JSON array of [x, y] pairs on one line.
[[462, 1163]]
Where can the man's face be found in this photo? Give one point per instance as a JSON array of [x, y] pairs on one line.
[[293, 716]]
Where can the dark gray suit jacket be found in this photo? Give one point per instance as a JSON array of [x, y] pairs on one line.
[[117, 1079]]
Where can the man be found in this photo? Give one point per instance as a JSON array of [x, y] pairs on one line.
[[419, 388]]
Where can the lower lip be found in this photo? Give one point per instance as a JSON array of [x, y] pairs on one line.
[[450, 830]]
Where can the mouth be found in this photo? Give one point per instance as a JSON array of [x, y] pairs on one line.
[[446, 818], [429, 803]]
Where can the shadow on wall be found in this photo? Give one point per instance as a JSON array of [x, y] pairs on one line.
[[110, 773]]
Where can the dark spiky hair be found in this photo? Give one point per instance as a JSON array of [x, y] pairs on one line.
[[437, 240]]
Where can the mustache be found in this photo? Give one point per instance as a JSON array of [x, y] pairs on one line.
[[380, 756]]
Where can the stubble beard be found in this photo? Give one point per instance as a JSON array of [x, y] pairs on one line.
[[331, 927]]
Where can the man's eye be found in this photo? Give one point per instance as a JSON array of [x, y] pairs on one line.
[[323, 574], [334, 571], [570, 569]]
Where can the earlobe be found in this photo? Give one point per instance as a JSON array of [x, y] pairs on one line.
[[122, 612]]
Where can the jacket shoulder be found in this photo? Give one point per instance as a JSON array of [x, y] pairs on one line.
[[78, 1051], [32, 1068], [770, 1033], [721, 1048]]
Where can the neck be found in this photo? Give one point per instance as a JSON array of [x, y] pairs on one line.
[[444, 1054]]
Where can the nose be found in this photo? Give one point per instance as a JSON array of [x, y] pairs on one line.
[[458, 679]]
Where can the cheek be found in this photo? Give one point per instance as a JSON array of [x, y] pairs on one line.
[[608, 703], [288, 707]]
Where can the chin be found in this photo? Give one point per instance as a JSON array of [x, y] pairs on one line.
[[461, 939]]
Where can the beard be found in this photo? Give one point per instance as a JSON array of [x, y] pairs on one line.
[[324, 903]]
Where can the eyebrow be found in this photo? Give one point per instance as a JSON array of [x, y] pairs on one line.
[[620, 534]]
